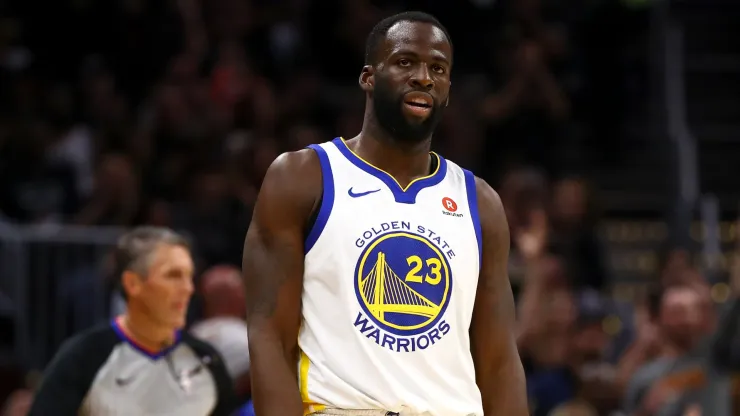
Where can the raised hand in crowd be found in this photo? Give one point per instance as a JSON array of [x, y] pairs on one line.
[[532, 239]]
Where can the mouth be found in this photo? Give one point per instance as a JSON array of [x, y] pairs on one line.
[[418, 104], [418, 100]]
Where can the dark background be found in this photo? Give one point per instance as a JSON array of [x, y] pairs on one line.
[[616, 119]]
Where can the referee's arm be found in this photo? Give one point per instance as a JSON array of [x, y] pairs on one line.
[[68, 377]]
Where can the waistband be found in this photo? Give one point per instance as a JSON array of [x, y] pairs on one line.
[[359, 412], [366, 412]]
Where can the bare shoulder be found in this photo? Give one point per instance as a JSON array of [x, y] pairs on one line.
[[295, 173], [274, 245], [292, 186], [490, 207]]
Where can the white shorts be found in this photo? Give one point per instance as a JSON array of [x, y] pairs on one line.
[[359, 412]]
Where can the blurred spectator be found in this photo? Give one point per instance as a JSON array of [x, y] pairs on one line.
[[524, 195], [575, 408], [678, 269], [35, 188], [18, 404], [115, 196], [597, 378], [223, 324], [86, 291], [173, 111], [574, 223], [675, 367], [726, 354], [546, 315], [216, 219], [526, 113]]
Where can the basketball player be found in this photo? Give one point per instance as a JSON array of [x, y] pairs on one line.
[[377, 270], [141, 364]]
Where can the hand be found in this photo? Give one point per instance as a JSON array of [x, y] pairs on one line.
[[693, 410], [658, 396], [648, 334], [530, 57], [19, 403], [648, 337], [532, 240]]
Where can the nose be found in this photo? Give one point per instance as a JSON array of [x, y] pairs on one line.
[[188, 286], [422, 79]]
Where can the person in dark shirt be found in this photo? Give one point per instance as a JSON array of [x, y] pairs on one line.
[[34, 189], [141, 364]]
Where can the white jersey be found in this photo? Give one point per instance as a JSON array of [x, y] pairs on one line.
[[389, 286]]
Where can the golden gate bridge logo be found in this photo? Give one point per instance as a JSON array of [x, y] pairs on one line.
[[405, 305]]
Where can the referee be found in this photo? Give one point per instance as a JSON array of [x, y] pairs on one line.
[[141, 363]]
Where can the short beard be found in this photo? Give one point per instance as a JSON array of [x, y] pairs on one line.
[[389, 114]]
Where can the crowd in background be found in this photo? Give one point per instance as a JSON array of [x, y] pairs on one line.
[[168, 113]]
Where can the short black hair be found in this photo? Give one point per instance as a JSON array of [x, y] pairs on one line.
[[377, 35], [134, 249]]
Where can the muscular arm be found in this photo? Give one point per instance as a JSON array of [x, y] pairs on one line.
[[273, 274], [498, 369]]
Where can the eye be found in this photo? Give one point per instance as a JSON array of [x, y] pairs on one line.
[[404, 62], [439, 69], [175, 273]]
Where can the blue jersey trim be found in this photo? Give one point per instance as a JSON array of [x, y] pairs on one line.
[[327, 198], [402, 195], [474, 215], [154, 355]]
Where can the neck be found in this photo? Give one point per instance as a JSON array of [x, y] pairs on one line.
[[145, 332], [403, 160]]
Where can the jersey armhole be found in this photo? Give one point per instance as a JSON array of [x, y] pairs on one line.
[[227, 401], [474, 214], [327, 198], [314, 215]]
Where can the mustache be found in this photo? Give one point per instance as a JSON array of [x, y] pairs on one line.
[[421, 91]]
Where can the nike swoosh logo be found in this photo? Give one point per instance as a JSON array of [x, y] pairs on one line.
[[359, 194], [124, 381]]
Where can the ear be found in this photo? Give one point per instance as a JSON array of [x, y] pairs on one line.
[[447, 102], [131, 283], [367, 78]]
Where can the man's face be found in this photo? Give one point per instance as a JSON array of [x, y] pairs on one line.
[[411, 81], [589, 341], [165, 292], [680, 315]]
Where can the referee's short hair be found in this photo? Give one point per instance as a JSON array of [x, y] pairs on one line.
[[134, 250]]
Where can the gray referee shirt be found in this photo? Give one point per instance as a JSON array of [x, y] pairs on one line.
[[104, 372]]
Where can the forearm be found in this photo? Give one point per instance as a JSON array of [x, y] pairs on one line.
[[501, 105], [503, 389], [274, 383], [498, 368], [634, 358], [531, 305], [554, 96]]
